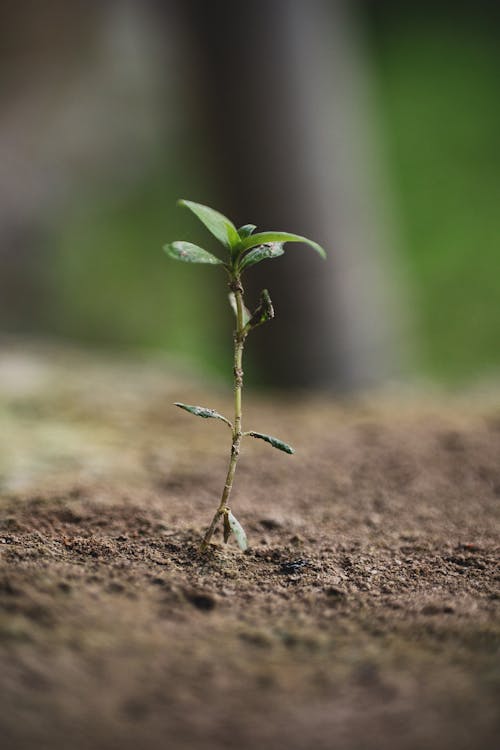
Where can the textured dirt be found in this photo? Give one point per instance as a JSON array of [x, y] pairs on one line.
[[365, 613]]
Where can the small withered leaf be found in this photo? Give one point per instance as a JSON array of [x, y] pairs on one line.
[[275, 442], [238, 531], [202, 411]]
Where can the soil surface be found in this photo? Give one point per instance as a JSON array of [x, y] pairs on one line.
[[365, 613]]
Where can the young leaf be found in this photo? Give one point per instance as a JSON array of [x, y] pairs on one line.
[[246, 230], [279, 444], [234, 308], [201, 411], [190, 253], [263, 312], [265, 237], [238, 531], [261, 252], [220, 226]]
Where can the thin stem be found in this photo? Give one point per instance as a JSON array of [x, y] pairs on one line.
[[239, 343]]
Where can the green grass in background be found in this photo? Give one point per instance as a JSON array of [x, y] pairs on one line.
[[114, 285], [437, 88], [438, 92]]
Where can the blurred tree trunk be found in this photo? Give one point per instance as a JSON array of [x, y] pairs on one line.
[[79, 117], [282, 112], [34, 59]]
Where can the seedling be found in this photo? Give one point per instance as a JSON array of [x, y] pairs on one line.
[[243, 250]]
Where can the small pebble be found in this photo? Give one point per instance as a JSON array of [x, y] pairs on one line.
[[293, 566]]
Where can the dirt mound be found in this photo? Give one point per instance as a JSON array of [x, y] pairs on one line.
[[363, 615]]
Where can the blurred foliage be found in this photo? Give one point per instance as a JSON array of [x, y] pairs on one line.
[[437, 77], [437, 88], [117, 288]]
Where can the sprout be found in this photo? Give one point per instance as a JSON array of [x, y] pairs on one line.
[[243, 249]]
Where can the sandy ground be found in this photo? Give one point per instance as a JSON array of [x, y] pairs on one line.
[[363, 615]]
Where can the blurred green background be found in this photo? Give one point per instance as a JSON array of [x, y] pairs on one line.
[[102, 280], [437, 73]]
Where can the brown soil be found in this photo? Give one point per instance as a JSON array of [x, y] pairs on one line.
[[364, 614]]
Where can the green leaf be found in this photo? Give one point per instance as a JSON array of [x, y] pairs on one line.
[[220, 226], [265, 237], [234, 308], [246, 230], [237, 530], [270, 250], [189, 253], [201, 411], [263, 312], [279, 444]]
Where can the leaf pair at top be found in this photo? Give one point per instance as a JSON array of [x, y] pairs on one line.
[[245, 248], [223, 229]]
